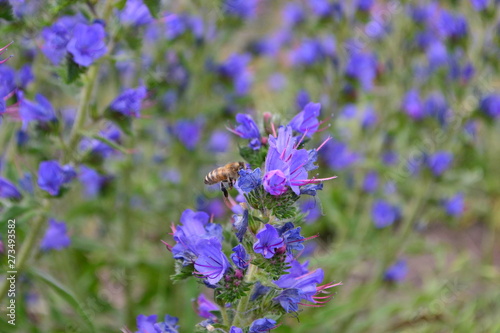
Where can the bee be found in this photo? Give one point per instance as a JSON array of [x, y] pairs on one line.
[[226, 174]]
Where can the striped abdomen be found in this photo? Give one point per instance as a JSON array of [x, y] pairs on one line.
[[216, 176]]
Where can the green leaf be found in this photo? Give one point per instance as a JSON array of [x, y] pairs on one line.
[[120, 4], [182, 272], [66, 294], [73, 70], [254, 157], [153, 6], [6, 11]]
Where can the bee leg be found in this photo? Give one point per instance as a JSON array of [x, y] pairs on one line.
[[223, 189], [231, 183]]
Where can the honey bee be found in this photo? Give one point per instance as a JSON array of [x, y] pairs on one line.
[[226, 174]]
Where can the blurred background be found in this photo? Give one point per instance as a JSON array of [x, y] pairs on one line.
[[409, 92]]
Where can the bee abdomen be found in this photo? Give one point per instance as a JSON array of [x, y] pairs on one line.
[[213, 177]]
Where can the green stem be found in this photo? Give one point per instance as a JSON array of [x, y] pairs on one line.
[[239, 317], [81, 113], [27, 247], [225, 318]]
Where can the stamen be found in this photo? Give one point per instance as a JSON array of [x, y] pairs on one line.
[[3, 49]]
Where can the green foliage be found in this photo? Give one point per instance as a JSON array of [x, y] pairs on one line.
[[274, 267], [280, 206], [73, 70], [254, 157], [154, 7], [182, 272], [232, 290]]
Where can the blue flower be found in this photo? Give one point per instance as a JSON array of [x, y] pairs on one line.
[[148, 324], [300, 278], [9, 190], [249, 180], [204, 306], [412, 105], [91, 180], [268, 241], [289, 299], [292, 14], [311, 209], [211, 262], [219, 142], [439, 162], [247, 129], [235, 329], [56, 38], [396, 272], [245, 9], [454, 206], [490, 105], [41, 110], [384, 214], [240, 257], [129, 102], [87, 44], [56, 237], [135, 13], [51, 176], [338, 156], [97, 147], [306, 121], [189, 132], [241, 224], [362, 67], [262, 325], [302, 99], [364, 5], [480, 5], [311, 189], [370, 182], [292, 237], [175, 26]]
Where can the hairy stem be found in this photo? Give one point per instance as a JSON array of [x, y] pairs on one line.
[[242, 308]]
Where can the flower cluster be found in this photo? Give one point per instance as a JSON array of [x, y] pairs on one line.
[[263, 278]]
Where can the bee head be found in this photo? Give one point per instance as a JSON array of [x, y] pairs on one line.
[[241, 165]]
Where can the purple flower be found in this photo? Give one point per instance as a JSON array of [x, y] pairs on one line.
[[189, 132], [292, 14], [249, 180], [25, 76], [412, 105], [262, 325], [338, 156], [56, 38], [240, 257], [247, 129], [384, 214], [148, 324], [97, 147], [322, 8], [204, 306], [480, 5], [219, 142], [370, 182], [235, 329], [454, 206], [306, 121], [268, 241], [363, 68], [397, 272], [364, 5], [292, 237], [135, 13], [51, 176], [175, 26], [289, 299], [275, 182], [241, 224], [9, 190], [129, 102], [439, 162], [308, 52], [301, 279], [311, 208], [87, 43], [235, 69], [245, 9], [490, 105], [436, 106], [41, 110], [211, 262], [437, 55], [369, 118], [91, 180], [56, 237], [302, 99]]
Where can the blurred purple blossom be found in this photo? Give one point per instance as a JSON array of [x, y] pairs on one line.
[[490, 105], [56, 237], [384, 213], [204, 306], [219, 142], [370, 183], [148, 324], [189, 132], [363, 68], [412, 105], [91, 180], [245, 9], [56, 37], [51, 176], [87, 43], [262, 325], [135, 13], [129, 102], [397, 272], [338, 156], [247, 129], [41, 110], [312, 209], [439, 162], [9, 190], [306, 121], [455, 205]]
